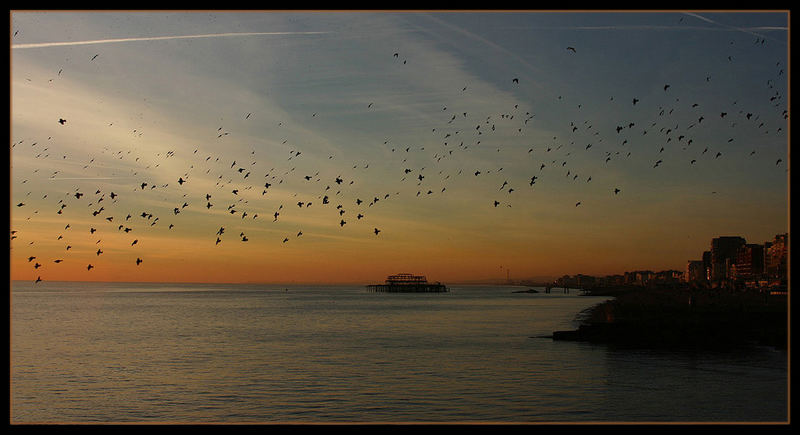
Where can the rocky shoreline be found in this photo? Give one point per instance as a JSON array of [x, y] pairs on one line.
[[683, 318]]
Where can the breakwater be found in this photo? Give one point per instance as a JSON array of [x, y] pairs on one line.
[[683, 318]]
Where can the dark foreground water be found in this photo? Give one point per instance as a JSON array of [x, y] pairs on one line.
[[183, 353]]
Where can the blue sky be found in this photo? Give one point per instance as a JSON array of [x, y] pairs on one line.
[[187, 94]]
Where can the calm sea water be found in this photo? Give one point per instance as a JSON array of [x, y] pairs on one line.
[[100, 352]]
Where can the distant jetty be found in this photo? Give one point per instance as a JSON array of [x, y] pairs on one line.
[[407, 283]]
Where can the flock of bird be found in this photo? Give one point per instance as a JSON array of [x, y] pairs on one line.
[[242, 186]]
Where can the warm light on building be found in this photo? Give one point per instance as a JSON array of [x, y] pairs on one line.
[[723, 253]]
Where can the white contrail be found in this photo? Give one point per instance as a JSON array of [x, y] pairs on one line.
[[708, 20], [740, 29], [86, 178], [158, 38]]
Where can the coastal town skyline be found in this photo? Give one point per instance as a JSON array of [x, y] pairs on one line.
[[342, 147], [730, 262]]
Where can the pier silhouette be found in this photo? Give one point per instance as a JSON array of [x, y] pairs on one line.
[[408, 283]]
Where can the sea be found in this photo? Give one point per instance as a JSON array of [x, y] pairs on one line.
[[308, 354]]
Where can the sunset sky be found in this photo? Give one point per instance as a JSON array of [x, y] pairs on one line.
[[402, 107]]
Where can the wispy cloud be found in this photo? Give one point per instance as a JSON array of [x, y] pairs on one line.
[[157, 38], [700, 17], [750, 31], [474, 36]]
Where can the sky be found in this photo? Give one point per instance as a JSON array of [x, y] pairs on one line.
[[341, 147]]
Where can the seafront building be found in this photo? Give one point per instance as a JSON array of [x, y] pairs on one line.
[[723, 254], [776, 257], [749, 262], [695, 271]]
